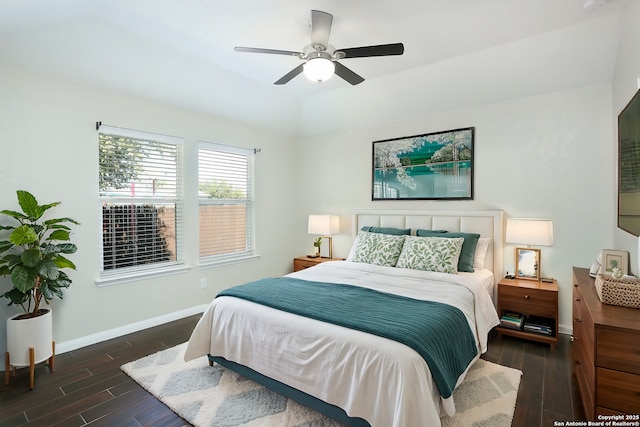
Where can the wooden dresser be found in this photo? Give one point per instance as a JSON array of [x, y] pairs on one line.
[[606, 351]]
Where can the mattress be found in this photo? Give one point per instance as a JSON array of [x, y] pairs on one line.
[[370, 377]]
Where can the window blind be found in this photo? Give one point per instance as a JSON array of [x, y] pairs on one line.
[[226, 202], [140, 192]]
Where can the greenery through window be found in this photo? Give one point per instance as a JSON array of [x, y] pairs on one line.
[[141, 201]]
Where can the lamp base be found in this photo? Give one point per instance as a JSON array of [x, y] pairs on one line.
[[313, 256]]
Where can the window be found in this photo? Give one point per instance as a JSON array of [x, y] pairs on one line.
[[226, 203], [141, 203]]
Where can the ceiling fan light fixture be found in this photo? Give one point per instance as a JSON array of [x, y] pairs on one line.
[[319, 69]]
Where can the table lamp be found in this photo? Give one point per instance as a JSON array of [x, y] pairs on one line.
[[325, 226]]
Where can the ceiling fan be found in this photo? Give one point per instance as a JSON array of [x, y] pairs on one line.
[[321, 59]]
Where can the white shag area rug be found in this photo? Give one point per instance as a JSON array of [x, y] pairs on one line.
[[215, 396]]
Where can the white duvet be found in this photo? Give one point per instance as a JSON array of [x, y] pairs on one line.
[[385, 382]]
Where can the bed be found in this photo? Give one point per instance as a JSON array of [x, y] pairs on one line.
[[359, 376]]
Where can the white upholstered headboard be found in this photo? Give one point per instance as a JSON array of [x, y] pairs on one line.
[[486, 223]]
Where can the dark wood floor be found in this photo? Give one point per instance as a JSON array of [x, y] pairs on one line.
[[88, 387]]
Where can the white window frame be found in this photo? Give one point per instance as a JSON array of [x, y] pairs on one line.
[[144, 271], [249, 202]]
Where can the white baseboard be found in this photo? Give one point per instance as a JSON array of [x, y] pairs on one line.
[[74, 344], [565, 329]]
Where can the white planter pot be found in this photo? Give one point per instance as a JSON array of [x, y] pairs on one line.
[[35, 332]]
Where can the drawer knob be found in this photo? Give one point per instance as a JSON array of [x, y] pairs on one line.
[[578, 362], [578, 320], [527, 297], [578, 299]]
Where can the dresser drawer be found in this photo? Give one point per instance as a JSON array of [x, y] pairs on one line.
[[586, 389], [618, 350], [530, 301], [619, 391], [582, 321]]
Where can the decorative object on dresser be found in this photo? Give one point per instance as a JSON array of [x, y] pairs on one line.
[[612, 259], [528, 309], [302, 262], [620, 291], [606, 351], [530, 232], [325, 226]]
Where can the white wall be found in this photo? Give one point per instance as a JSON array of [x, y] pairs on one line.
[[547, 156], [49, 147], [626, 81], [552, 155]]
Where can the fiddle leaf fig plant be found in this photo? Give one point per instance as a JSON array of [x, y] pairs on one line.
[[33, 257]]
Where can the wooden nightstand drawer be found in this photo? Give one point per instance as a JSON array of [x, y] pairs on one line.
[[302, 262], [535, 302]]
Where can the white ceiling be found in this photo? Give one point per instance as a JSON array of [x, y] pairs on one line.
[[460, 52]]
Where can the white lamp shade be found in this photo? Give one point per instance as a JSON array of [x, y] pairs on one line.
[[324, 225], [530, 231], [319, 69]]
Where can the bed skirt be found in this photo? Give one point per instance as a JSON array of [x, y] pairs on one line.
[[331, 411]]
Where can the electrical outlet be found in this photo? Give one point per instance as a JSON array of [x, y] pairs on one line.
[[203, 282]]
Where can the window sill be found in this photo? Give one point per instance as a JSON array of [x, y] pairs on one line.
[[212, 263], [126, 278]]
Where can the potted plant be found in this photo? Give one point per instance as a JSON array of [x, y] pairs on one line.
[[317, 243], [33, 258]]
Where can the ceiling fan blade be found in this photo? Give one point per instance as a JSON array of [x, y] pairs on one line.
[[347, 74], [320, 28], [271, 51], [377, 50], [290, 75]]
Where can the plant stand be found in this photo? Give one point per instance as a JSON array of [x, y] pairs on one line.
[[32, 364]]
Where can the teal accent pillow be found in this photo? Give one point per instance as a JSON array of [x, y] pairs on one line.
[[387, 230], [468, 252], [378, 248], [431, 253]]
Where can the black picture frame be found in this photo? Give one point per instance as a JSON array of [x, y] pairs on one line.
[[629, 166], [431, 166]]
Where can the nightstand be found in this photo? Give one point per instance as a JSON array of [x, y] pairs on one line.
[[302, 262], [538, 303]]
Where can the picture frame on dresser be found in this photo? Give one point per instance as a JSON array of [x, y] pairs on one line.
[[528, 263], [612, 259]]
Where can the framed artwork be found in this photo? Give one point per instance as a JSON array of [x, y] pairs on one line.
[[528, 263], [612, 259], [433, 166]]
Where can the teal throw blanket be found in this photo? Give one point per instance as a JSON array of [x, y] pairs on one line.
[[438, 332]]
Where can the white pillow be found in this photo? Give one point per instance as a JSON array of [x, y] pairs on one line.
[[481, 252], [431, 253], [378, 248], [352, 251]]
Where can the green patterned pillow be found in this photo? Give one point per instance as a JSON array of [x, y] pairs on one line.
[[378, 249], [468, 251], [431, 254]]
